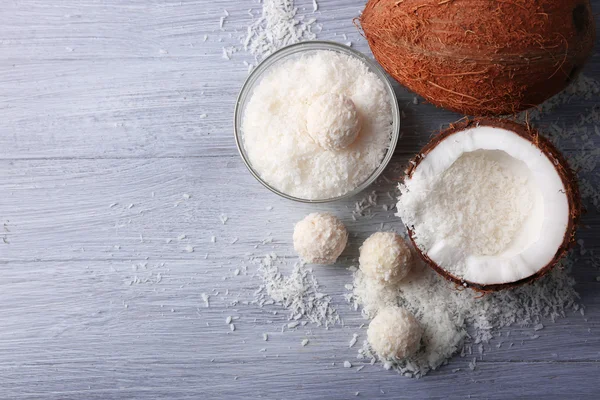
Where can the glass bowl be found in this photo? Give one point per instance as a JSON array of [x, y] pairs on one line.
[[287, 53]]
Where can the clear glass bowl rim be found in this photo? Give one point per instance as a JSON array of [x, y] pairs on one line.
[[296, 48]]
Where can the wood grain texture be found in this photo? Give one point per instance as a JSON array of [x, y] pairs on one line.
[[105, 163]]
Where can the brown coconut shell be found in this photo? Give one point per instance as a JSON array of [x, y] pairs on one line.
[[562, 168], [481, 57]]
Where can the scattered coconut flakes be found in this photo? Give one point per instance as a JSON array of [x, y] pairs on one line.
[[224, 218], [305, 342], [298, 292], [189, 249], [228, 320], [575, 139], [581, 88], [445, 313], [473, 364], [347, 364], [181, 237], [364, 207], [206, 299], [353, 340], [551, 297], [265, 337], [475, 181], [225, 54], [315, 6], [232, 327], [277, 26]]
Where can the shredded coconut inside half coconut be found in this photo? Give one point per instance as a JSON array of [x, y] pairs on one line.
[[478, 203]]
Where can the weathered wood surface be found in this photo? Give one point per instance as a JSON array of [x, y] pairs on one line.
[[101, 138]]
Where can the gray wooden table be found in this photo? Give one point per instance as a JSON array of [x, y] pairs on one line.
[[105, 163]]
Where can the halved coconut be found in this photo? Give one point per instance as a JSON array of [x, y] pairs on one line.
[[490, 203]]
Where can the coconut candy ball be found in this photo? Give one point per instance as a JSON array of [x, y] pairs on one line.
[[385, 257], [320, 238], [394, 333], [332, 121]]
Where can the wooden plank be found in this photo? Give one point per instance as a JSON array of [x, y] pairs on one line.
[[181, 377], [101, 105], [133, 79], [82, 209], [61, 209], [73, 329]]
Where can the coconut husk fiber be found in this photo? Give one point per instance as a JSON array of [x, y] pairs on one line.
[[481, 57]]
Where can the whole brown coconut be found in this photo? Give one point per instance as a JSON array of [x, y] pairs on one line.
[[561, 165], [481, 57]]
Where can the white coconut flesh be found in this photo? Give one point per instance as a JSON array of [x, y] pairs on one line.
[[487, 206]]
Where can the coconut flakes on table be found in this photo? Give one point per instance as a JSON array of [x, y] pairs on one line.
[[363, 208], [574, 139], [206, 299], [298, 292], [278, 26], [452, 319], [581, 88], [226, 54]]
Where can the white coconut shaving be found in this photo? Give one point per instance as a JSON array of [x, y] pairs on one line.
[[446, 314], [298, 292], [477, 205], [274, 125], [278, 25], [486, 205]]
